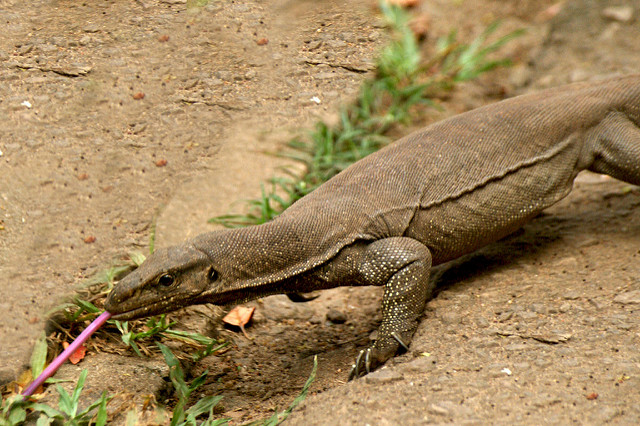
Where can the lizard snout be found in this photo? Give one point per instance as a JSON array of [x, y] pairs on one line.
[[123, 291]]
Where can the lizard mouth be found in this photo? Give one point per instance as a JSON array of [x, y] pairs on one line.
[[145, 311], [120, 311]]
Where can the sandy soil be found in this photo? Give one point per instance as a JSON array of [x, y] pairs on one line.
[[117, 115]]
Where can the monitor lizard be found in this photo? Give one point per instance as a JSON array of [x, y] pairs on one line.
[[428, 198]]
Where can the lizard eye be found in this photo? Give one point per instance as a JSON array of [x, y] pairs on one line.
[[166, 280], [212, 274]]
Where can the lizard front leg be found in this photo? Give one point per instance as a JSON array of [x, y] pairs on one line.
[[402, 265], [615, 148]]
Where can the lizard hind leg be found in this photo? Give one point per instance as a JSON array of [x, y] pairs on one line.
[[402, 266]]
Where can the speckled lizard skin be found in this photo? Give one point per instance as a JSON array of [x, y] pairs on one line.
[[428, 198]]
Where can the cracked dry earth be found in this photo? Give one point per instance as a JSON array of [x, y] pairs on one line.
[[540, 328]]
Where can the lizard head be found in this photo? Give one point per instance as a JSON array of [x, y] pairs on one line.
[[219, 267], [167, 280]]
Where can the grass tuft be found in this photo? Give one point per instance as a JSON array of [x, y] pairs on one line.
[[15, 408], [206, 405], [404, 82]]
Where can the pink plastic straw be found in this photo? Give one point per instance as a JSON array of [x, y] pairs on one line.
[[60, 359]]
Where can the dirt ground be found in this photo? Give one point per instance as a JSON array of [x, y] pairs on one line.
[[117, 115]]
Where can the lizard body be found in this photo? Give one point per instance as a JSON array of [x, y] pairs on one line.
[[430, 197]]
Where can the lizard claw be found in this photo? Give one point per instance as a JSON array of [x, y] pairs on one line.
[[357, 367], [403, 345], [373, 357]]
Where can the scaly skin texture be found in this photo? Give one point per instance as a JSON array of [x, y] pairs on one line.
[[428, 198]]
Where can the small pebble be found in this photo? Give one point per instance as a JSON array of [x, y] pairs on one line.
[[450, 318], [138, 128], [516, 347], [538, 308], [382, 376], [482, 322], [543, 362], [325, 75], [571, 295], [527, 315], [437, 409], [91, 28], [421, 364], [618, 13], [628, 298], [336, 44], [336, 317], [223, 75]]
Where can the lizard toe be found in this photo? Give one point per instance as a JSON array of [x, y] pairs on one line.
[[403, 346], [366, 362]]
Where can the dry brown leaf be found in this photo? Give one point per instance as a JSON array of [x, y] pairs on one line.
[[420, 25], [239, 317], [550, 12], [24, 379], [403, 3], [78, 355]]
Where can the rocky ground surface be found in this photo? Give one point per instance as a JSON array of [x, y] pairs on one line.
[[118, 115]]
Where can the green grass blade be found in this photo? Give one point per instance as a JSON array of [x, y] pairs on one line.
[[44, 420], [39, 356], [305, 389], [75, 396], [87, 306], [175, 371], [66, 403], [204, 405], [13, 410], [178, 414], [198, 381], [137, 258], [101, 417], [48, 411]]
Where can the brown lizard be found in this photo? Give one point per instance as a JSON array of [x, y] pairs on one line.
[[428, 198]]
